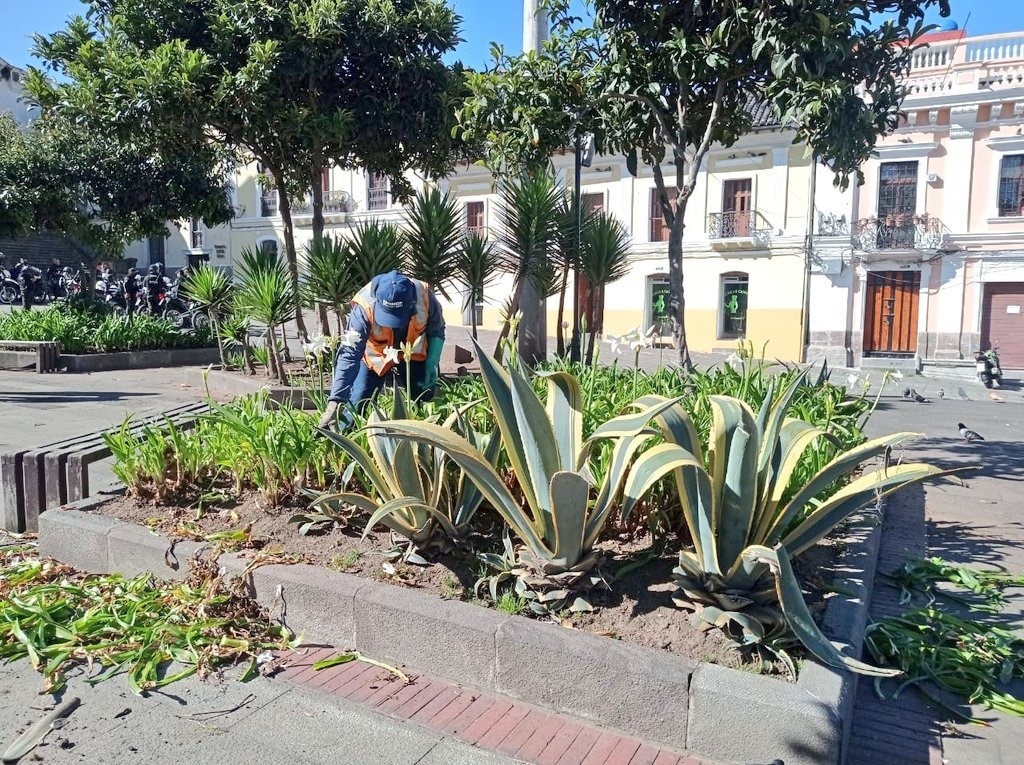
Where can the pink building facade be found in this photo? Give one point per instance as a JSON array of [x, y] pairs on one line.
[[924, 263]]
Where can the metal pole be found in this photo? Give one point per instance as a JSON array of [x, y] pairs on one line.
[[574, 343]]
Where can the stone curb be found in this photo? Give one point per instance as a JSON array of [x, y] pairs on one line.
[[222, 383], [642, 692]]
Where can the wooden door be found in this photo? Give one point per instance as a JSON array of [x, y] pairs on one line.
[[1002, 322], [890, 312], [736, 207]]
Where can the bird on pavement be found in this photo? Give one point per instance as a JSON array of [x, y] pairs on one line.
[[968, 434], [917, 397], [941, 393], [995, 396], [906, 393], [963, 394]]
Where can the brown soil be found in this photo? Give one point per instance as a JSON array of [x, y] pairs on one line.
[[639, 608]]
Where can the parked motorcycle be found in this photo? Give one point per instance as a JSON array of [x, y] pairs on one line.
[[990, 372], [111, 292], [10, 290]]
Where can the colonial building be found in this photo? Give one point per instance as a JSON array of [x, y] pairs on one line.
[[744, 248], [11, 91], [924, 263]]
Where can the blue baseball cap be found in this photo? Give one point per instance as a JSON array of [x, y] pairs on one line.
[[394, 300]]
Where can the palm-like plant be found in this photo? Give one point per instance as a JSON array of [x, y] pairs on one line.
[[376, 248], [267, 294], [603, 259], [214, 292], [476, 268], [747, 521], [559, 523], [329, 275], [528, 238], [432, 238]]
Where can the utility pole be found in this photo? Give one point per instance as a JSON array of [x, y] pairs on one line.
[[533, 328]]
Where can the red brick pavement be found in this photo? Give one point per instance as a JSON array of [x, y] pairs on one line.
[[528, 733]]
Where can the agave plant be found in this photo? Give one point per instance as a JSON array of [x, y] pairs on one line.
[[555, 517], [746, 520], [432, 238], [213, 291], [412, 489]]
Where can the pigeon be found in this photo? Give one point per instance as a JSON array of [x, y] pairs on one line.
[[963, 394], [917, 396], [968, 434], [941, 393], [906, 393]]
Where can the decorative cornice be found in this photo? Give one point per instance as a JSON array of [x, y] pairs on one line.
[[1006, 143], [905, 150]]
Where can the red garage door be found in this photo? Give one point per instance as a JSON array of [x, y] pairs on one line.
[[1002, 322]]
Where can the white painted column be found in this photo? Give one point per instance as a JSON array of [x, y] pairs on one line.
[[777, 207], [959, 169]]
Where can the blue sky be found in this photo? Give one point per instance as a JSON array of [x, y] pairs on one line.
[[483, 21]]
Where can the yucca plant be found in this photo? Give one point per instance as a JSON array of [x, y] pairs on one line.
[[330, 278], [432, 238], [375, 248], [552, 512], [213, 291], [742, 513], [603, 259], [476, 268], [411, 488], [266, 293]]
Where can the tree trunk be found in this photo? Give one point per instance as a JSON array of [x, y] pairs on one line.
[[325, 322], [337, 321], [591, 328], [220, 341], [250, 367], [271, 340], [677, 298], [561, 311], [285, 208]]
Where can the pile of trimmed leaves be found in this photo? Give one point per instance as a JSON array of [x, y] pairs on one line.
[[971, 657], [156, 632]]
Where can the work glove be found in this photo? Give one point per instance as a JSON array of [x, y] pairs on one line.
[[433, 362], [329, 415]]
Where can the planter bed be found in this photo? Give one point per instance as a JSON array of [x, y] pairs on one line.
[[415, 617], [170, 357]]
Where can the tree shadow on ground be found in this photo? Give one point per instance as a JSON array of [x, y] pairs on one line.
[[67, 397]]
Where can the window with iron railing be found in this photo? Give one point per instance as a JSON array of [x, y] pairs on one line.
[[377, 192], [268, 203], [658, 229], [197, 233], [897, 203], [1011, 186]]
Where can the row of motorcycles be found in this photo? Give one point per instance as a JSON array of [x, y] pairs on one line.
[[154, 293], [42, 288]]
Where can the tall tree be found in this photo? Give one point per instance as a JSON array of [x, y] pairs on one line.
[[56, 176], [663, 82], [295, 84]]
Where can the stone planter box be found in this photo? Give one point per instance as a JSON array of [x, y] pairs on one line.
[[667, 699], [221, 383], [105, 362]]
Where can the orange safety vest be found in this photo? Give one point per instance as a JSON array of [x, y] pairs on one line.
[[382, 338]]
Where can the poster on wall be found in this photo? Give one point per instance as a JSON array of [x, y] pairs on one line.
[[659, 307]]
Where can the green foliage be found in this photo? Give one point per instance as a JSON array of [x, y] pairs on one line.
[[476, 268], [95, 331], [330, 278], [921, 577], [58, 618], [433, 227], [252, 442], [266, 295], [376, 248]]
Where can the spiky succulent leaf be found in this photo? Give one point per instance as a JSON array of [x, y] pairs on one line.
[[733, 455]]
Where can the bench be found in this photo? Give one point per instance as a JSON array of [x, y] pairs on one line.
[[35, 480], [19, 353]]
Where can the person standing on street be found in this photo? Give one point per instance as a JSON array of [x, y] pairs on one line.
[[389, 312]]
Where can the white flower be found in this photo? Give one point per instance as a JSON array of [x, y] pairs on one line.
[[734, 360], [350, 338], [317, 345], [392, 355], [615, 342], [897, 375], [852, 380]]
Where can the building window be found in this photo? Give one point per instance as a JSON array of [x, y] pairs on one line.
[[734, 305], [1011, 186], [658, 230], [325, 180], [897, 189], [475, 221], [658, 313], [268, 247], [737, 209], [377, 191], [196, 233], [592, 203]]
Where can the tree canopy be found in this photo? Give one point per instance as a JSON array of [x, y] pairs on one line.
[[663, 82]]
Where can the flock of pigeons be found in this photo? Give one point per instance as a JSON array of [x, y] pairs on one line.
[[965, 432]]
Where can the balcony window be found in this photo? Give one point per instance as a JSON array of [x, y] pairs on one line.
[[377, 191], [475, 221], [658, 229], [734, 305], [269, 247], [1011, 186]]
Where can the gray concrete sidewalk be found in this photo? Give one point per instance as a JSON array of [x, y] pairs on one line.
[[978, 524], [275, 723]]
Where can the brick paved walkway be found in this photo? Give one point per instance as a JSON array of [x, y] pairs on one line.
[[528, 733], [903, 731]]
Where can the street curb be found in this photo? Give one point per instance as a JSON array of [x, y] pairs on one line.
[[219, 382], [638, 691]]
